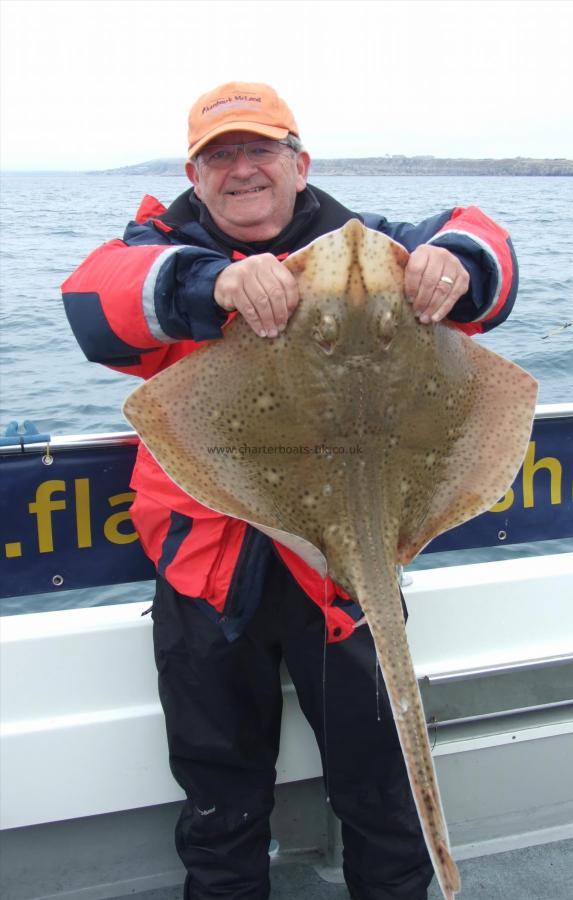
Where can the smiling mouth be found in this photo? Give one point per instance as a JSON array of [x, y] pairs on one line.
[[253, 190]]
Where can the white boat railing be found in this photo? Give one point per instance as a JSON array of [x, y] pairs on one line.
[[127, 438]]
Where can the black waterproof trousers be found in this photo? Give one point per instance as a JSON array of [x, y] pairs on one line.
[[222, 703]]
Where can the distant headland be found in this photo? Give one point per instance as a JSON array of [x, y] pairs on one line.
[[386, 165]]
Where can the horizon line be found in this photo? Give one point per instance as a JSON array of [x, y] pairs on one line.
[[327, 159]]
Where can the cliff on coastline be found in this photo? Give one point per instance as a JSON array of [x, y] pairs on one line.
[[387, 165]]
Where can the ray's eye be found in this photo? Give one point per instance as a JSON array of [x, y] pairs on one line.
[[326, 332], [386, 328]]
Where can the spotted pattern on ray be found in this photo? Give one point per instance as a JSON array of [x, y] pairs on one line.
[[438, 426]]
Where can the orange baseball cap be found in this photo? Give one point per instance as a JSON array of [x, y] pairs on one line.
[[239, 106]]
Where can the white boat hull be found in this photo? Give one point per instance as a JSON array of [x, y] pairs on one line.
[[83, 732]]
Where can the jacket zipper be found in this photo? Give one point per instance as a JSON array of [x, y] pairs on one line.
[[229, 607]]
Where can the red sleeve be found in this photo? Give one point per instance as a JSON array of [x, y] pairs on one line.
[[488, 250]]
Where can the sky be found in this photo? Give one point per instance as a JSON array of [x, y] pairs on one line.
[[93, 84]]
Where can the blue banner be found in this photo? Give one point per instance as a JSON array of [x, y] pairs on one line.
[[67, 525], [539, 504]]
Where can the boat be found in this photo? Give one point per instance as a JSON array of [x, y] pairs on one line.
[[88, 804]]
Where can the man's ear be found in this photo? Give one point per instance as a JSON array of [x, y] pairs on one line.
[[302, 168], [193, 176]]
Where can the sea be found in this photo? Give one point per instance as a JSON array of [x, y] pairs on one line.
[[50, 222]]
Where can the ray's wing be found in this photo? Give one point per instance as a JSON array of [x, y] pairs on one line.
[[482, 456], [219, 422]]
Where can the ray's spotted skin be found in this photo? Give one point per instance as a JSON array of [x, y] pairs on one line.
[[354, 439]]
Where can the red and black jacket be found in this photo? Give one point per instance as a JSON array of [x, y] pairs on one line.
[[140, 304]]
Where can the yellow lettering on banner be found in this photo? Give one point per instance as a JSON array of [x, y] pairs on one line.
[[505, 502], [83, 516], [111, 529], [13, 550], [42, 508], [530, 467]]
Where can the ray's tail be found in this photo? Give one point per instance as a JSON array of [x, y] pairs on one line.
[[381, 603]]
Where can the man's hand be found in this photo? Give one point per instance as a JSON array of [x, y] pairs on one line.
[[262, 290], [431, 297]]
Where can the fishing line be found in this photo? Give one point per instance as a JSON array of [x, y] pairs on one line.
[[378, 673], [324, 731], [433, 722], [556, 330]]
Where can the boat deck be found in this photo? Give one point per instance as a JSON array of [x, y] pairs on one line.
[[535, 873]]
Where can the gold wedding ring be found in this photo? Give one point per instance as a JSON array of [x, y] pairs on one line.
[[447, 279]]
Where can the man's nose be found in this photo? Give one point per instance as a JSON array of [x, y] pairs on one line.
[[242, 164]]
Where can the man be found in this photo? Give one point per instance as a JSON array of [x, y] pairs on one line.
[[230, 603]]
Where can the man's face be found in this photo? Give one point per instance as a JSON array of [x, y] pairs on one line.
[[250, 201]]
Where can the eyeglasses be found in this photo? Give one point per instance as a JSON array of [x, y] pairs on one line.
[[222, 156]]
